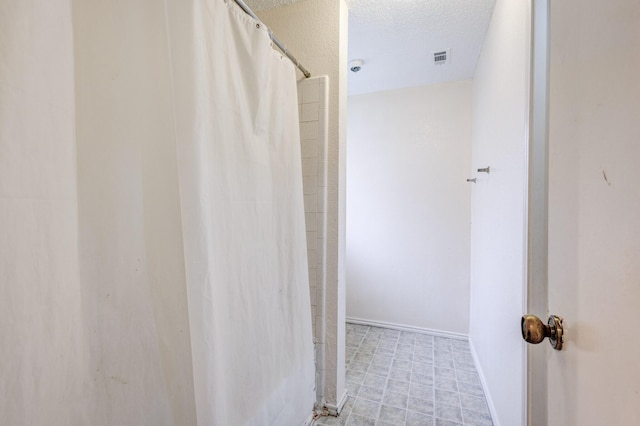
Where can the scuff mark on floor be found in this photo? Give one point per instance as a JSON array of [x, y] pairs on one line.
[[604, 175]]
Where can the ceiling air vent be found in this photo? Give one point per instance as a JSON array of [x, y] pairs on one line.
[[441, 57]]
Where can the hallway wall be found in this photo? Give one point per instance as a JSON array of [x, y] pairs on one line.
[[500, 117], [408, 207]]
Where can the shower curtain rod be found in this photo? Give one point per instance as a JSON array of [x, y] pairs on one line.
[[277, 42]]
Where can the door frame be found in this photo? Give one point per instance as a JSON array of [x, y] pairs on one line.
[[536, 210]]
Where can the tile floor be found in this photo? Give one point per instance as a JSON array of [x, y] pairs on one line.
[[397, 378]]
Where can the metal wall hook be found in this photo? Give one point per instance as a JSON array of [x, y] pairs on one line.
[[485, 170], [472, 180]]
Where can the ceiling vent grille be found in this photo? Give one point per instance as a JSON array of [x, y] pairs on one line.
[[441, 57]]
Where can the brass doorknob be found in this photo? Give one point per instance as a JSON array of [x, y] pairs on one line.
[[534, 330]]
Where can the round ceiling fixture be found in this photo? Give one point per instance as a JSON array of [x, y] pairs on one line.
[[356, 65]]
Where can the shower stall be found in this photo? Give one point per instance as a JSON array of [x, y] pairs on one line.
[[162, 223]]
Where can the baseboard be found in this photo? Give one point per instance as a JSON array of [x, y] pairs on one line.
[[410, 328], [334, 410], [483, 382]]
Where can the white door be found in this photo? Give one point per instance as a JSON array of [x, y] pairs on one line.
[[593, 216]]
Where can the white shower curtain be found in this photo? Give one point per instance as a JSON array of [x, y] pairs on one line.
[[152, 256]]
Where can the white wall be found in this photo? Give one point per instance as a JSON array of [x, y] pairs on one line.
[[315, 31], [594, 211], [408, 206], [500, 117]]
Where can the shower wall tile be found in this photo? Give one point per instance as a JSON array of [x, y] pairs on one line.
[[312, 240], [320, 224], [310, 166], [319, 327], [310, 93], [309, 148], [310, 203], [313, 113], [320, 242], [320, 298], [314, 296], [320, 275], [312, 256], [313, 277], [311, 222], [322, 174], [314, 288], [310, 184], [321, 203], [309, 130], [309, 112]]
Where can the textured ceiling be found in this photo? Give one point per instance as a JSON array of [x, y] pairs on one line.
[[396, 40]]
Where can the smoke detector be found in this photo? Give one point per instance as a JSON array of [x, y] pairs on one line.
[[442, 57], [356, 65]]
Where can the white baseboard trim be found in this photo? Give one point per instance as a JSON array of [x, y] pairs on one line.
[[334, 410], [410, 328], [483, 382]]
